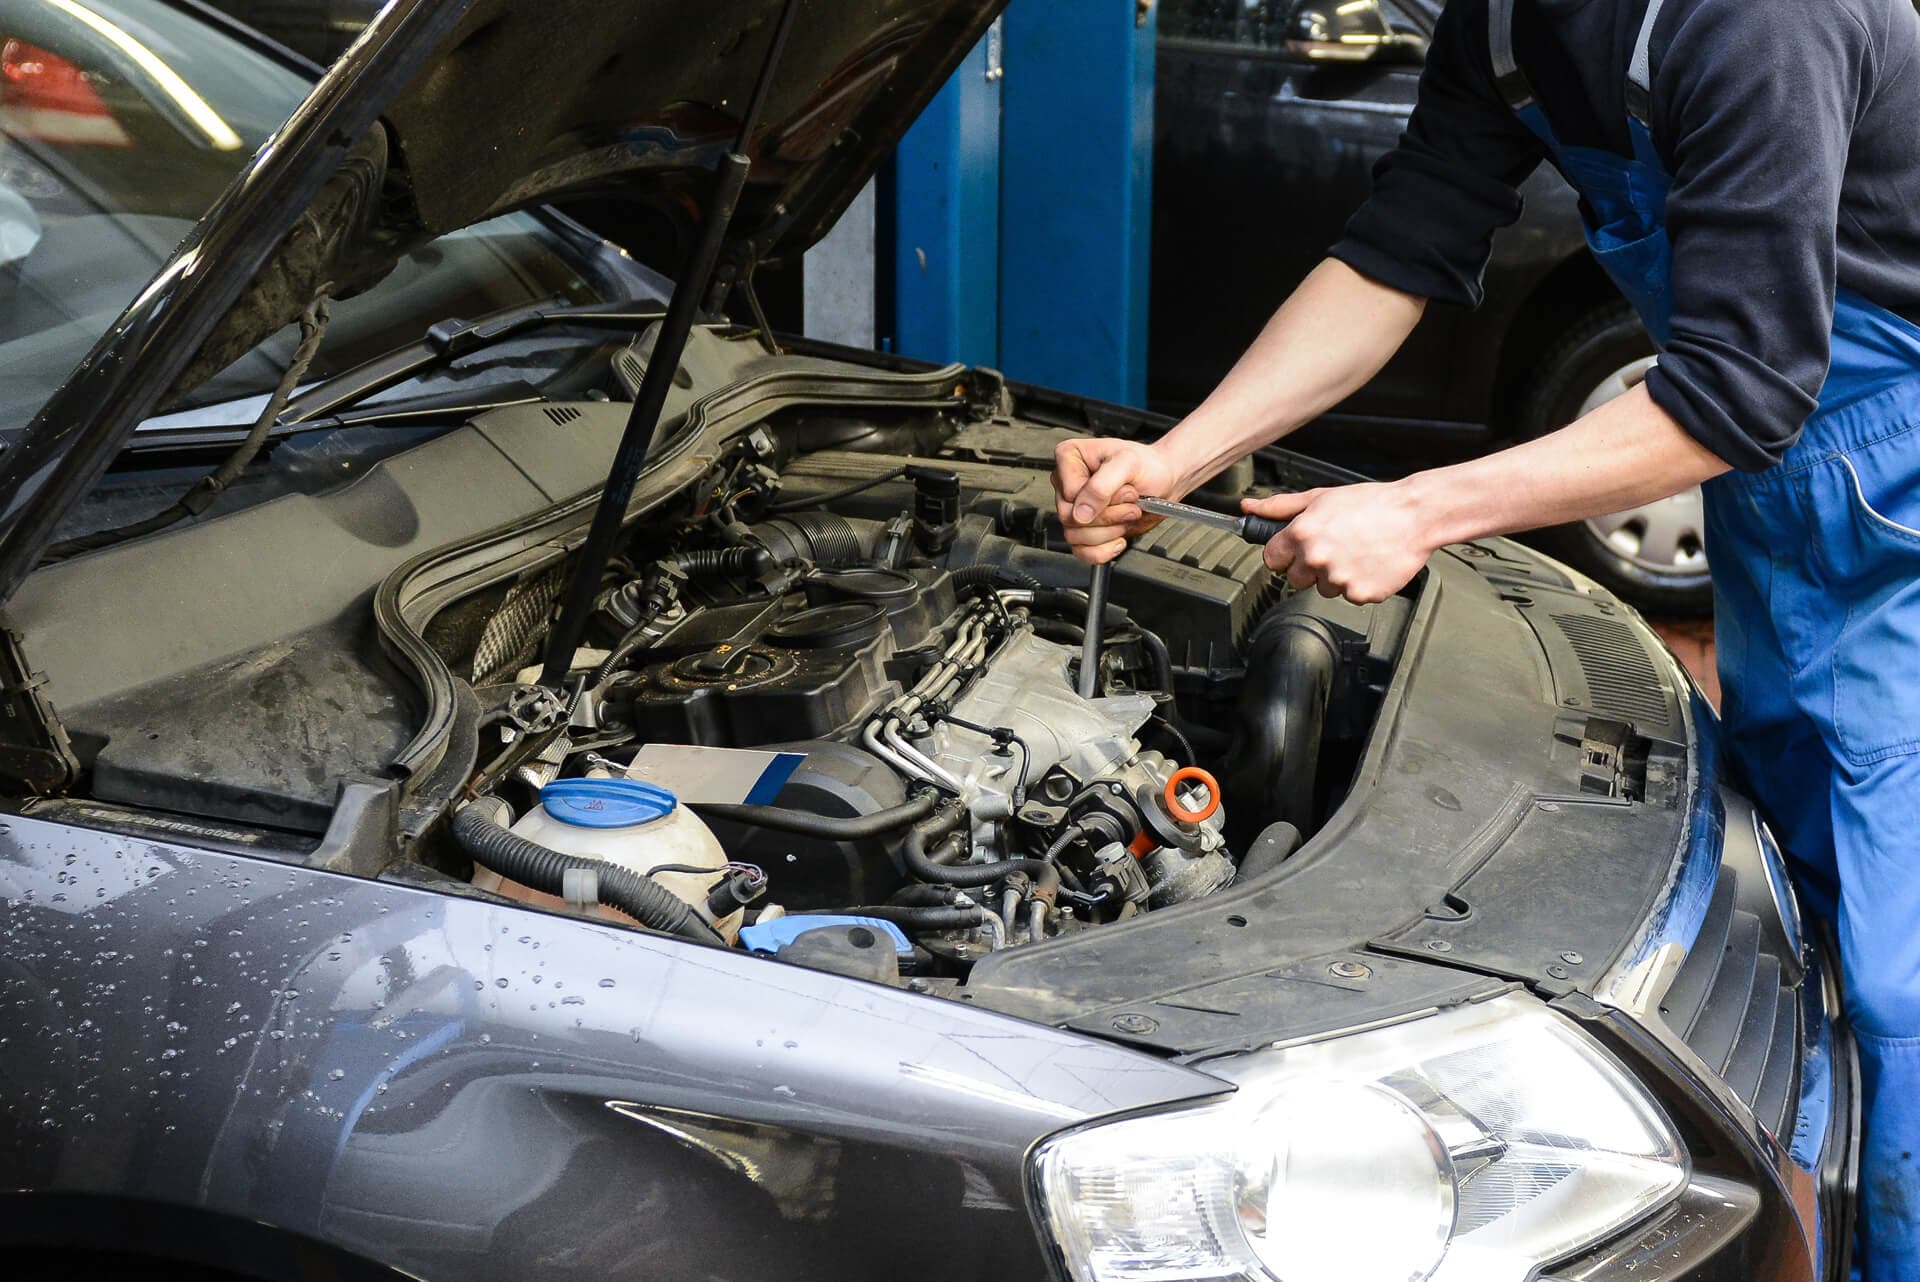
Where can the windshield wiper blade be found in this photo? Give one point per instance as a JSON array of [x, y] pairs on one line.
[[450, 340], [413, 411]]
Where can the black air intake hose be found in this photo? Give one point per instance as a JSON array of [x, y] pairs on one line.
[[822, 539], [804, 823], [1291, 660], [532, 864], [914, 917], [1001, 576], [1275, 844], [717, 562]]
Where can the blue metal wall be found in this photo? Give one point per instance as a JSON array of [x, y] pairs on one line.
[[1019, 209], [1076, 184], [945, 197]]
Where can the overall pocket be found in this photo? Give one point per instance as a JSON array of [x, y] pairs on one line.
[[1873, 542], [1641, 267]]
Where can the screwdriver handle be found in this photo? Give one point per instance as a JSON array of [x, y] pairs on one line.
[[1260, 529]]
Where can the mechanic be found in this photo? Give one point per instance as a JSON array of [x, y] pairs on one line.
[[1748, 172]]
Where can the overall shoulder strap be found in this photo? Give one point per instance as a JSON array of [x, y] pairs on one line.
[[1640, 70], [1507, 76]]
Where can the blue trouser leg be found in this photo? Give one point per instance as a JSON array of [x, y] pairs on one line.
[[1817, 569], [1879, 927]]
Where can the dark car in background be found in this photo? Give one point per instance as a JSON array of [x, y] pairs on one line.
[[1269, 116], [316, 29], [1225, 931]]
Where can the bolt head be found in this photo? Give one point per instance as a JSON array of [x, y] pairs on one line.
[[1572, 958], [1557, 971], [1439, 946], [1350, 970], [1139, 1025]]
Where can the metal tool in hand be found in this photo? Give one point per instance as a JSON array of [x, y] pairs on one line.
[[1097, 584], [1254, 529]]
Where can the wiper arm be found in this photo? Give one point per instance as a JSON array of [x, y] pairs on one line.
[[452, 339], [413, 411]]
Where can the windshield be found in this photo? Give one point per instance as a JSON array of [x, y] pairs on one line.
[[121, 121]]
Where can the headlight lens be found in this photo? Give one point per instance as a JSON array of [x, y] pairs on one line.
[[1471, 1146]]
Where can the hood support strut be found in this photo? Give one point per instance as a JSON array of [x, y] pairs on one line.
[[650, 402]]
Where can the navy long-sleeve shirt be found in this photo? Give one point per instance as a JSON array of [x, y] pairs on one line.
[[1791, 129]]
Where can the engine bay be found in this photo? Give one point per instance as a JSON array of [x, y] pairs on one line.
[[847, 582], [894, 620]]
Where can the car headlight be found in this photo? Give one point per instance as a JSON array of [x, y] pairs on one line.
[[1469, 1146]]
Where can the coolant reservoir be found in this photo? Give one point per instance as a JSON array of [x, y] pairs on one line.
[[636, 825]]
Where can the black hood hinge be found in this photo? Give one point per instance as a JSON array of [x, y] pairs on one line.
[[36, 758]]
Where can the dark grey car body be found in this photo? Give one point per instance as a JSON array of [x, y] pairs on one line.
[[243, 1029], [267, 1068]]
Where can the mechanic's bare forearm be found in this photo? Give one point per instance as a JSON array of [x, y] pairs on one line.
[[1331, 335], [1627, 452]]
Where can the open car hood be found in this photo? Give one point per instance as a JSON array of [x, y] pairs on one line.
[[447, 113], [530, 100]]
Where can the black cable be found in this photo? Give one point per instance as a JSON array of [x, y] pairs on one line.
[[633, 642], [1068, 835], [1001, 736], [313, 328], [695, 869], [804, 823], [1179, 737], [800, 505]]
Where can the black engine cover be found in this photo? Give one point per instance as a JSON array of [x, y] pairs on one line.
[[804, 667]]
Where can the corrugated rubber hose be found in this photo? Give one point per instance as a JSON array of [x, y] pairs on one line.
[[490, 845]]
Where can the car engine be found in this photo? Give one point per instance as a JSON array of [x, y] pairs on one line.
[[905, 634]]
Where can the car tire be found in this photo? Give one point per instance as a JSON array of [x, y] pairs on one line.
[[1653, 557]]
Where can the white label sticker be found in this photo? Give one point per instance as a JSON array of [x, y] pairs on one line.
[[716, 776]]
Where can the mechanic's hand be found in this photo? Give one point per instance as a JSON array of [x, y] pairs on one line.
[[1100, 482], [1363, 542]]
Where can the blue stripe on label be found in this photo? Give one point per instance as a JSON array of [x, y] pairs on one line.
[[774, 778]]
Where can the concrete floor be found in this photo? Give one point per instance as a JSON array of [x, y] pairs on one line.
[[1692, 640]]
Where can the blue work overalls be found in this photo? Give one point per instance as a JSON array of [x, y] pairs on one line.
[[1816, 574]]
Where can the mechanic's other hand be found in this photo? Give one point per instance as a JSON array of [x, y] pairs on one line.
[[1363, 542], [1100, 481]]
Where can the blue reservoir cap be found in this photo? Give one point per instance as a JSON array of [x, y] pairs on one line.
[[607, 803], [771, 937]]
